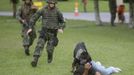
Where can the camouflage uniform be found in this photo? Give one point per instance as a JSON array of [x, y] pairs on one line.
[[112, 6], [24, 13], [52, 20]]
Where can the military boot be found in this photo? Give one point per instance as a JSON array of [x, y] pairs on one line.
[[35, 61], [50, 57], [27, 50]]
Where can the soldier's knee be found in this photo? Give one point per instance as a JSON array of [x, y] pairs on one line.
[[50, 47], [53, 42], [50, 51], [41, 42]]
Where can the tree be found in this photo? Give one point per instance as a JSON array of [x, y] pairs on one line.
[[14, 6], [113, 8], [131, 12], [97, 13], [85, 5]]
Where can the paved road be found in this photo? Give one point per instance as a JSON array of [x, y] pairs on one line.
[[105, 16]]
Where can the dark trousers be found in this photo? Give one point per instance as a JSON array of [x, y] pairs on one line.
[[48, 36]]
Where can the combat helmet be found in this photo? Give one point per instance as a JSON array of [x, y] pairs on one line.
[[25, 0], [52, 1]]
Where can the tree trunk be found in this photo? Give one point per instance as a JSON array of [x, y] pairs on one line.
[[85, 8], [14, 9], [112, 8], [97, 13], [14, 6], [131, 11]]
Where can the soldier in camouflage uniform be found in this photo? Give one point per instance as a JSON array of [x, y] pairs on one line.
[[113, 9], [52, 22], [23, 15]]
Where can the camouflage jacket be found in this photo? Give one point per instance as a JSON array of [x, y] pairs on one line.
[[51, 18], [25, 12]]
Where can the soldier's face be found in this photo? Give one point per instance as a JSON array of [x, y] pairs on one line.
[[27, 1], [51, 5]]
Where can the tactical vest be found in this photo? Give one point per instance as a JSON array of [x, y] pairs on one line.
[[50, 18]]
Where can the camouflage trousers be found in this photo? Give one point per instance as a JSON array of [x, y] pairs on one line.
[[48, 36], [28, 39]]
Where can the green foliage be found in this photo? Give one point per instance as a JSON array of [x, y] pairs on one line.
[[62, 0], [113, 46], [126, 1], [65, 6], [68, 6]]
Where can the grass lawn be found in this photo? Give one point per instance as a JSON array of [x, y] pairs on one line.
[[65, 6], [113, 46]]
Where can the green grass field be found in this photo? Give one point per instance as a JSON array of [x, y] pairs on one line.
[[65, 6], [113, 46]]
